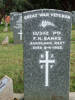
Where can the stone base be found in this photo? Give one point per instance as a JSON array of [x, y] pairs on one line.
[[72, 96], [21, 96]]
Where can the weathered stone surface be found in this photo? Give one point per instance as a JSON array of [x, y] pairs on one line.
[[73, 17], [6, 89], [46, 54], [16, 26], [12, 20]]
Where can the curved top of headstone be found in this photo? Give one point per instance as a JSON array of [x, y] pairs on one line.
[[3, 83], [16, 13], [55, 10], [48, 13], [13, 12]]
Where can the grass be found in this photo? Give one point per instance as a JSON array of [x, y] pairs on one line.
[[72, 69], [73, 35], [11, 64], [4, 34], [11, 61]]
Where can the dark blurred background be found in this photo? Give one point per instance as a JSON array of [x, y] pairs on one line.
[[7, 6]]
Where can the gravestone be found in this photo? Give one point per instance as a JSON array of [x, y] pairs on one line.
[[16, 26], [6, 88], [46, 54], [73, 17], [12, 20], [5, 41]]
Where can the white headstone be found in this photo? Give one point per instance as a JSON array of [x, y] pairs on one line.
[[6, 88]]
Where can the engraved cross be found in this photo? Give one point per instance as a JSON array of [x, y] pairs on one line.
[[47, 61]]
